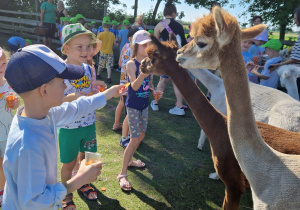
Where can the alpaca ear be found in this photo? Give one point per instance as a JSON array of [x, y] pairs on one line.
[[155, 41], [250, 33], [220, 22]]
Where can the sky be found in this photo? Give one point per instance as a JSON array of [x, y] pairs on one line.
[[191, 14]]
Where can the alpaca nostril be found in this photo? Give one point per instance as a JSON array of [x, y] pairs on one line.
[[181, 60]]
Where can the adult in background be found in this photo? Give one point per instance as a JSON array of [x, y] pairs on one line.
[[48, 20], [295, 55], [161, 32], [62, 12]]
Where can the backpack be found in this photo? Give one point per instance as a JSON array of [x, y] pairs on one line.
[[171, 32]]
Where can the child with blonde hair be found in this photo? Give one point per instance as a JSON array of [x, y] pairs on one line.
[[79, 136], [31, 161], [6, 116], [139, 22]]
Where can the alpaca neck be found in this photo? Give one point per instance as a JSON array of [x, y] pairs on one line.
[[209, 80], [242, 127], [206, 115]]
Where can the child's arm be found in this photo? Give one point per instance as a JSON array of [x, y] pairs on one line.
[[73, 96], [135, 82], [255, 72], [70, 112]]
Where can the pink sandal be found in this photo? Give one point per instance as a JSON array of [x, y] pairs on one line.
[[124, 185], [117, 127]]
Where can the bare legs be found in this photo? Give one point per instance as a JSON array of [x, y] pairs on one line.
[[162, 85]]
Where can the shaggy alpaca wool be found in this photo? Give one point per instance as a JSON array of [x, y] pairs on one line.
[[274, 177], [270, 106]]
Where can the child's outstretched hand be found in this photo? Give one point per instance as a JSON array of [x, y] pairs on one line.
[[255, 69], [89, 173], [15, 103], [115, 91], [250, 64]]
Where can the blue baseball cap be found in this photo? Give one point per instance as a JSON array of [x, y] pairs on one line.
[[32, 66]]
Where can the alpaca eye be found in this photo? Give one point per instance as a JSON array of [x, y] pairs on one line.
[[152, 60], [201, 44]]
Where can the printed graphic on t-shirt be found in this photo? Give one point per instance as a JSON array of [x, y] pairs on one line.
[[145, 90]]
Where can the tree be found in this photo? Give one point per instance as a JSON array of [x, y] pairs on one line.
[[279, 12], [93, 9]]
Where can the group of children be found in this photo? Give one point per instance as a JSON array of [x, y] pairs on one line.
[[255, 52], [61, 96]]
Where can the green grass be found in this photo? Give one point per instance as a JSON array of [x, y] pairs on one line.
[[176, 175]]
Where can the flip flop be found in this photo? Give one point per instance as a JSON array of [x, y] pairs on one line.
[[139, 164], [123, 184]]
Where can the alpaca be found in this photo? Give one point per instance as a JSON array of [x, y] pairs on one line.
[[274, 177], [288, 79], [161, 61], [267, 112]]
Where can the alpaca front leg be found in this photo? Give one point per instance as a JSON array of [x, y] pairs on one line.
[[201, 140]]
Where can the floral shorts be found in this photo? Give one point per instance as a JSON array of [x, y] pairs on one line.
[[138, 120], [106, 61]]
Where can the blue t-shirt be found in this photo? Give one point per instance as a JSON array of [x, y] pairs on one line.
[[138, 99], [273, 76], [123, 34], [248, 57], [115, 32], [100, 29], [17, 41], [256, 50]]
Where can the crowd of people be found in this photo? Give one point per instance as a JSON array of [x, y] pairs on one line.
[[28, 155]]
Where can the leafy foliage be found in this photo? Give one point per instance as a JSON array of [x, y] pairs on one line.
[[278, 13]]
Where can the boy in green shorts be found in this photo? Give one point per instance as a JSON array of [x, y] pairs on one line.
[[79, 136]]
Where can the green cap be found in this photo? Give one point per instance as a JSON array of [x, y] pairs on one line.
[[273, 44], [79, 16], [72, 30], [106, 20], [73, 20], [114, 22], [67, 19], [93, 22], [89, 24], [28, 40], [126, 22], [151, 31]]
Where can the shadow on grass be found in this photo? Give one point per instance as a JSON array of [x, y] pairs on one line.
[[105, 202]]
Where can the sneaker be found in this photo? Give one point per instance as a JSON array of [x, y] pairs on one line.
[[177, 111], [108, 80], [154, 106], [124, 141]]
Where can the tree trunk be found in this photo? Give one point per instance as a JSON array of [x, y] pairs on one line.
[[282, 31], [135, 8], [155, 12]]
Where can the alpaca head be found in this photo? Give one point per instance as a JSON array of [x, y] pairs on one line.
[[285, 54], [288, 74], [161, 55], [212, 33]]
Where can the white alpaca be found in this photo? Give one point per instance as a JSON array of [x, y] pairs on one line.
[[268, 103], [288, 79]]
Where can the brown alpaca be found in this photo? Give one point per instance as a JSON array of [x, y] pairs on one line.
[[161, 61], [273, 176]]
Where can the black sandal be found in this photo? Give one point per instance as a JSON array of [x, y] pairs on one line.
[[67, 205], [86, 190]]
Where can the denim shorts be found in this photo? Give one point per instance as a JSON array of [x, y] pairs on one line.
[[51, 29]]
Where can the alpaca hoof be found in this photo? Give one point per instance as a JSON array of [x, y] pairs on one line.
[[200, 147], [214, 176]]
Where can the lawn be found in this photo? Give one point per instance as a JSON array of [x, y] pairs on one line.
[[176, 173]]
